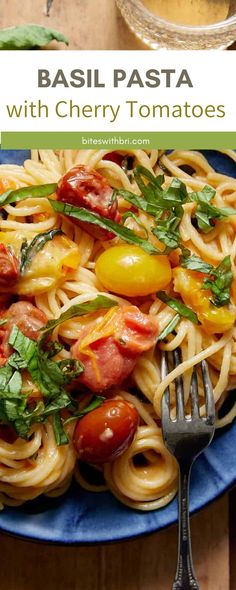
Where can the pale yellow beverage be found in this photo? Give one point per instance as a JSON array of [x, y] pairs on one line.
[[190, 12]]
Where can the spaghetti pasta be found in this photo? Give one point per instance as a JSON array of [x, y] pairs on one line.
[[63, 274]]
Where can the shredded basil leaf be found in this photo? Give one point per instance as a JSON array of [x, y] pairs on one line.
[[219, 280], [100, 302], [179, 307], [129, 214], [220, 283], [95, 403], [43, 190], [59, 432], [28, 251], [50, 376], [119, 230], [193, 262], [169, 328], [205, 212]]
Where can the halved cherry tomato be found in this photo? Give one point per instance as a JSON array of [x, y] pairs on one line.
[[110, 349], [215, 320], [28, 318], [128, 270], [86, 188], [9, 267], [105, 433]]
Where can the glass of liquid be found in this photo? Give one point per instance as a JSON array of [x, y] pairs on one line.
[[182, 24]]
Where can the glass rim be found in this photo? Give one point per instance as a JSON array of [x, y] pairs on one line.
[[215, 27]]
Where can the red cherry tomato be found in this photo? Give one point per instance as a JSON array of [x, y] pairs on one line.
[[28, 318], [105, 433], [9, 267], [86, 188], [114, 157]]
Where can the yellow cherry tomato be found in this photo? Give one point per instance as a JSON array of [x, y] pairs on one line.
[[128, 270], [215, 320]]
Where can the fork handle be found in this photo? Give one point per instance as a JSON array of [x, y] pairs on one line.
[[185, 577]]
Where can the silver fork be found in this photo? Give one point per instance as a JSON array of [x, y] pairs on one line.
[[186, 438]]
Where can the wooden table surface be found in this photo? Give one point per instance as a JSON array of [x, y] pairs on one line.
[[146, 564]]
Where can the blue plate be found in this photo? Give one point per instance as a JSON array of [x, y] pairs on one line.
[[81, 517]]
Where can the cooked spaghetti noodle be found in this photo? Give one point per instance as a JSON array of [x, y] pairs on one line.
[[145, 475]]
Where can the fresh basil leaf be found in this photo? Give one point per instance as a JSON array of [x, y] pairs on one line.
[[138, 201], [88, 217], [27, 418], [129, 214], [59, 432], [193, 262], [100, 302], [169, 328], [45, 372], [95, 403], [28, 37], [43, 190], [149, 190], [28, 251], [71, 368], [167, 232], [10, 381], [176, 193], [179, 307], [206, 213], [220, 283], [16, 362], [60, 403], [10, 409], [52, 348]]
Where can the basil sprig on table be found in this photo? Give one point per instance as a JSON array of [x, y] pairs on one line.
[[29, 37], [49, 375], [219, 278]]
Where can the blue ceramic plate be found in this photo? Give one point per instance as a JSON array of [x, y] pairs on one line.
[[82, 517]]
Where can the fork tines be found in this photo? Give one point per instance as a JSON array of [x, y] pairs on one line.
[[194, 395]]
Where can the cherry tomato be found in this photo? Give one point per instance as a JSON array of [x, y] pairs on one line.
[[9, 267], [28, 318], [114, 157], [86, 188], [115, 347], [128, 270], [215, 320], [105, 433]]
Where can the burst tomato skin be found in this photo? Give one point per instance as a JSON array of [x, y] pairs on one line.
[[128, 270], [9, 267], [115, 352], [86, 188], [105, 433]]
